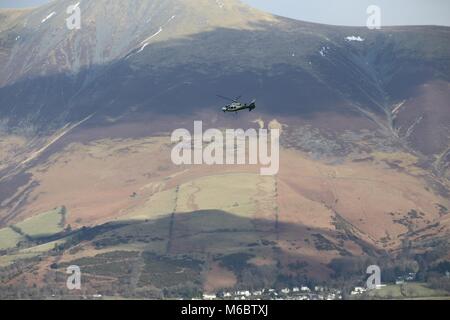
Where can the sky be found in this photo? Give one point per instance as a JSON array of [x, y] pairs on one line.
[[20, 3], [337, 12], [353, 12]]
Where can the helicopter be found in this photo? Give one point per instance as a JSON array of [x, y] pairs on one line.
[[237, 106]]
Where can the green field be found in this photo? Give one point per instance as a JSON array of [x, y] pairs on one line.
[[159, 205], [43, 225], [238, 194], [39, 226], [29, 252], [409, 290], [9, 238], [242, 194]]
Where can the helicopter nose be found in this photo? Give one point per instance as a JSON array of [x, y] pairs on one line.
[[224, 109]]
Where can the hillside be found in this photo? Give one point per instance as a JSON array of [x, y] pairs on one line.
[[85, 123]]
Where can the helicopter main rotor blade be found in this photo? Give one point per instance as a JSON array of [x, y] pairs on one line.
[[226, 98]]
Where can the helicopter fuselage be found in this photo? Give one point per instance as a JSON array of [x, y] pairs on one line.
[[237, 106]]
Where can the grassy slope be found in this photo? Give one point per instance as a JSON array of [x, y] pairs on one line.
[[42, 225], [9, 238]]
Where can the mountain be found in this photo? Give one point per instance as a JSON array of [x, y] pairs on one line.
[[106, 68], [86, 117]]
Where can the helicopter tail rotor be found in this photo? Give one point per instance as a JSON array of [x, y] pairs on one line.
[[252, 105]]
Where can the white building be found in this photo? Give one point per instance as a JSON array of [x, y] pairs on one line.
[[243, 293], [358, 290]]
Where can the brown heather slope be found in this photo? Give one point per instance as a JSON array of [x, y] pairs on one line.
[[314, 211]]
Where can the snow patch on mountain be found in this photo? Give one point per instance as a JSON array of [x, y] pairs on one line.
[[354, 38], [48, 17], [146, 41]]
